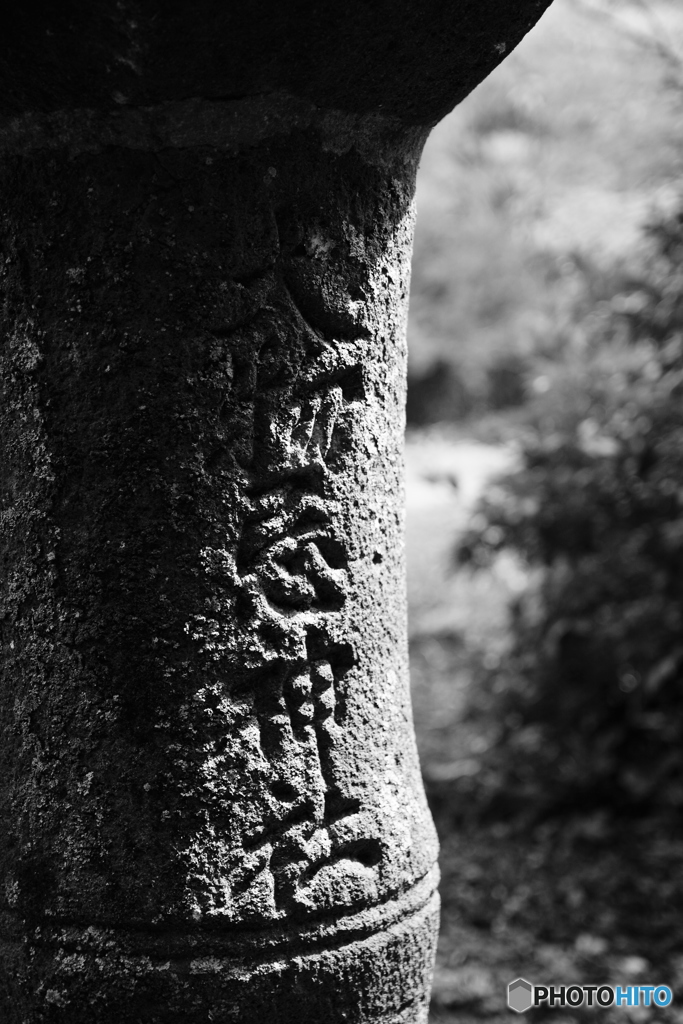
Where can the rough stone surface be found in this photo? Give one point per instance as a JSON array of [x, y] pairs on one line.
[[205, 714], [209, 788]]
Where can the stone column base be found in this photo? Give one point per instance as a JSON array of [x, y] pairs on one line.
[[333, 970]]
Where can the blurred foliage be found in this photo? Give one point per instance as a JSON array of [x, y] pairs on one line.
[[562, 151], [592, 690], [540, 314]]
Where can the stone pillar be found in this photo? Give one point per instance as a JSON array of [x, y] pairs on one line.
[[210, 794]]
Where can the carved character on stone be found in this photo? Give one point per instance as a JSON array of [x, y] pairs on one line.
[[286, 579]]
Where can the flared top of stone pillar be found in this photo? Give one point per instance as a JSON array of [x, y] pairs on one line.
[[408, 60]]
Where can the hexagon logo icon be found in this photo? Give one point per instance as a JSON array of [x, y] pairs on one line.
[[519, 995]]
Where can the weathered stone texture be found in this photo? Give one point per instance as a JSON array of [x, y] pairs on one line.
[[203, 616], [209, 788]]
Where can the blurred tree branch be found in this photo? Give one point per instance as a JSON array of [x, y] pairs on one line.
[[654, 36]]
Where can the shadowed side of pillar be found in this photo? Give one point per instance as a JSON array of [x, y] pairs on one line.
[[210, 793], [207, 729]]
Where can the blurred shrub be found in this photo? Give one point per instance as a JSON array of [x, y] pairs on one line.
[[438, 394], [592, 692], [507, 381], [442, 394]]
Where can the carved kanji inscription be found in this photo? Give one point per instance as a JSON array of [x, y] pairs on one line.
[[286, 580]]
